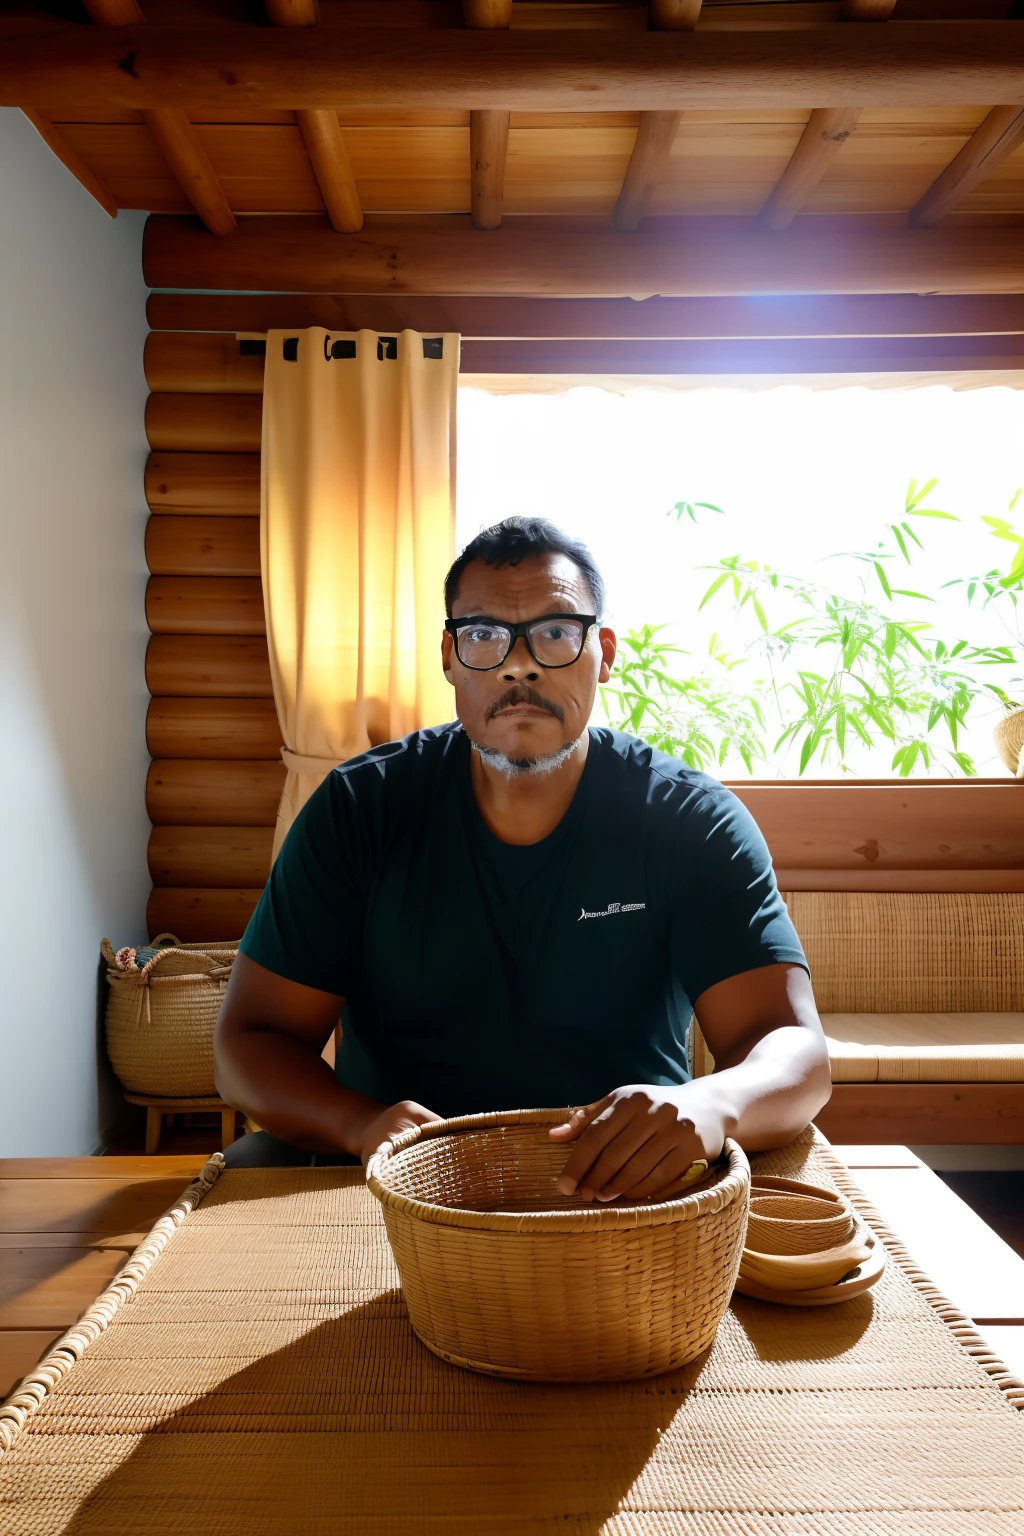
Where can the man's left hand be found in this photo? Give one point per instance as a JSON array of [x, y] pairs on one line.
[[639, 1140]]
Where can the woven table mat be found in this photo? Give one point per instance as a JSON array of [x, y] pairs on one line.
[[252, 1372]]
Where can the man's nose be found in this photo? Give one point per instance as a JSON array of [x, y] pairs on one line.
[[519, 665]]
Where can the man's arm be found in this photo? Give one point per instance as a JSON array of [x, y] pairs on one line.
[[268, 1063], [771, 1078]]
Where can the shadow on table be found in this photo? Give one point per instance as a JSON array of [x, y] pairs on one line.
[[357, 1428], [778, 1333]]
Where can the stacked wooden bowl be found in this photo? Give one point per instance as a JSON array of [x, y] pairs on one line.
[[805, 1246]]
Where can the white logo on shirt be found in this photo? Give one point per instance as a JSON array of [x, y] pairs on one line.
[[612, 909]]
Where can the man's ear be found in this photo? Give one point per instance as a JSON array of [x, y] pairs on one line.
[[609, 646], [446, 656]]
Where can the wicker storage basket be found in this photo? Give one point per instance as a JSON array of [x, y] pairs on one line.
[[1009, 739], [160, 1019], [503, 1274]]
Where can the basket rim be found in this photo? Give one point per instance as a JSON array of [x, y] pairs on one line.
[[686, 1207]]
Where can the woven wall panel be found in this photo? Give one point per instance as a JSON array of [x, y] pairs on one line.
[[912, 952]]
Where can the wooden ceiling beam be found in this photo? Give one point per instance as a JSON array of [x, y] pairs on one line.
[[655, 135], [505, 319], [656, 131], [72, 162], [903, 64], [321, 133], [998, 136], [828, 129], [582, 257], [488, 127], [175, 137]]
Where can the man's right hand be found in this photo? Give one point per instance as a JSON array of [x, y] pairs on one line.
[[392, 1122]]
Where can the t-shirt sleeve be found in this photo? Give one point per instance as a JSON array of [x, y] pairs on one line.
[[728, 915], [307, 925]]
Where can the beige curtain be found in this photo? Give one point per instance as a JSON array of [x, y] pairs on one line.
[[356, 533]]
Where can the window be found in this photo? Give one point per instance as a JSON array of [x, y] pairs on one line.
[[846, 645]]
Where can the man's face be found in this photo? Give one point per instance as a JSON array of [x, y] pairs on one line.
[[521, 709]]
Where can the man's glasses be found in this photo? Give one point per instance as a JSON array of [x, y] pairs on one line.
[[555, 640]]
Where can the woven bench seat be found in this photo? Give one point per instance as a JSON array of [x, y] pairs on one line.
[[925, 1047]]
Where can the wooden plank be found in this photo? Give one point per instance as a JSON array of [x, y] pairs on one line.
[[899, 826], [225, 483], [998, 136], [302, 67], [71, 161], [828, 129], [576, 258], [208, 666], [204, 728], [216, 365], [52, 1287], [125, 1242], [213, 793], [654, 140], [198, 367], [967, 1260], [84, 1205], [919, 1114], [210, 856], [909, 355], [219, 424], [205, 605], [20, 1351], [501, 318], [196, 915], [868, 1156], [178, 1165], [941, 880], [203, 546]]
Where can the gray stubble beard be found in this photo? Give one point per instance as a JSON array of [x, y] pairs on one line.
[[523, 767]]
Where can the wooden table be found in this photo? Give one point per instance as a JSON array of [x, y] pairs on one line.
[[68, 1224]]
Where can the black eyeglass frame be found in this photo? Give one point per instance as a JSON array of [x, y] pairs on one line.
[[588, 620]]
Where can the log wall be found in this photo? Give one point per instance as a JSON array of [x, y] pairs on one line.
[[213, 786], [216, 775]]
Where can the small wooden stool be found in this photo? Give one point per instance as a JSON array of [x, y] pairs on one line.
[[157, 1108]]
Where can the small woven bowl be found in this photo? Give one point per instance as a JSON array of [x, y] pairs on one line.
[[503, 1274]]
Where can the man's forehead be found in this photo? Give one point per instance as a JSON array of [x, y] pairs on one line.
[[539, 584]]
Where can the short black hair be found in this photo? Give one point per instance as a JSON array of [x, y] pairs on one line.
[[515, 539]]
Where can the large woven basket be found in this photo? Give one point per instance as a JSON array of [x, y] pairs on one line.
[[1009, 739], [503, 1274], [160, 1019]]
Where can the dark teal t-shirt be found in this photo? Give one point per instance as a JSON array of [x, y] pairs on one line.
[[482, 976]]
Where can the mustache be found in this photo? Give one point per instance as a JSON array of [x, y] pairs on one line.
[[522, 693]]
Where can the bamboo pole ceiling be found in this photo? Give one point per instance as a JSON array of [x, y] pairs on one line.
[[620, 112]]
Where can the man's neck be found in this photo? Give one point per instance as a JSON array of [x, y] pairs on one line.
[[528, 807]]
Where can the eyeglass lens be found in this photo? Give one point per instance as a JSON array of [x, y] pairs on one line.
[[553, 642]]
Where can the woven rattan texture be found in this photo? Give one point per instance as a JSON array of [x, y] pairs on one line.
[[160, 1020], [912, 952], [263, 1380], [583, 1293]]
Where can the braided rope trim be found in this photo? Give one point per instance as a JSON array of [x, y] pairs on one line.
[[29, 1397], [958, 1323]]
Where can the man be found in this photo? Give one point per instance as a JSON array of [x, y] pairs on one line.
[[517, 910]]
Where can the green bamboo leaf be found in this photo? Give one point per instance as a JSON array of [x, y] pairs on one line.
[[715, 586], [883, 580], [931, 512], [759, 611]]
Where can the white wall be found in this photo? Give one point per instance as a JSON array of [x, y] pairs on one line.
[[72, 638]]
